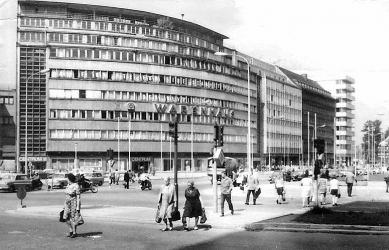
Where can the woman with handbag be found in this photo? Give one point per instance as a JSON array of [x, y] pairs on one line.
[[334, 189], [193, 206], [166, 201], [71, 213]]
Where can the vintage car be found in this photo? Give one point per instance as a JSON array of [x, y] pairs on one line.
[[96, 178], [11, 182], [60, 180]]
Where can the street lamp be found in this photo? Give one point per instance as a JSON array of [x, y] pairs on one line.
[[26, 130], [248, 103]]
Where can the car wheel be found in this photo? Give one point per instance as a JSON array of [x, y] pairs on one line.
[[12, 189], [100, 183], [61, 186]]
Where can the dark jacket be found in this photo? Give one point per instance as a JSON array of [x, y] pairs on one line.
[[126, 177]]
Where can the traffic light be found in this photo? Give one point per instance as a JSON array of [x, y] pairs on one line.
[[216, 135], [319, 144], [221, 131], [172, 129], [110, 154]]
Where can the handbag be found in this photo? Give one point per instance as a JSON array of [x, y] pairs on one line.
[[157, 218], [241, 187], [257, 193], [176, 215], [203, 217], [338, 195], [80, 220], [61, 219]]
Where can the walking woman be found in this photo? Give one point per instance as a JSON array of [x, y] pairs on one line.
[[279, 184], [193, 206], [166, 199], [72, 205], [322, 188], [252, 186], [334, 189], [306, 184]]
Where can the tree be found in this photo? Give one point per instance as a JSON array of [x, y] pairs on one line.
[[372, 130]]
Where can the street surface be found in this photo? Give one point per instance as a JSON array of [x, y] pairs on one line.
[[46, 232]]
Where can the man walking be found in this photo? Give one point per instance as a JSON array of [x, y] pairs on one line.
[[252, 186], [226, 188], [350, 178], [126, 180]]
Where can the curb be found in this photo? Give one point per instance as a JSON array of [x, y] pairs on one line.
[[319, 228]]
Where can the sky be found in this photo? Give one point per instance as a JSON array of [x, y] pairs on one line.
[[320, 37], [317, 37]]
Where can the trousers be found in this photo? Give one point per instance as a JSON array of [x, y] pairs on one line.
[[226, 197]]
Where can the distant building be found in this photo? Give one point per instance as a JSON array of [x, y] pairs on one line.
[[8, 106], [318, 111], [342, 88]]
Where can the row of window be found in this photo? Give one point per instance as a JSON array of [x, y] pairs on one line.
[[65, 114], [140, 135], [145, 57], [7, 100], [283, 94], [146, 78], [6, 120], [284, 123], [144, 97], [139, 28]]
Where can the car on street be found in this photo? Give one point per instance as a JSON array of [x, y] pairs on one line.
[[11, 182], [285, 175], [96, 178], [297, 175], [60, 180]]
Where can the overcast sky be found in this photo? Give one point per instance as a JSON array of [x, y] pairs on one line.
[[347, 37], [306, 36]]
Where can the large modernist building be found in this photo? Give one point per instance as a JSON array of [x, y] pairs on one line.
[[318, 113], [89, 78], [342, 88]]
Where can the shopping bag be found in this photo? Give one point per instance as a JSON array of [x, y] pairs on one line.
[[176, 215], [157, 218], [61, 219], [203, 217], [80, 220]]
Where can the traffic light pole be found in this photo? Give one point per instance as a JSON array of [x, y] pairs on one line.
[[175, 163]]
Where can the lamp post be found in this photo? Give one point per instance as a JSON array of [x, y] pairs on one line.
[[26, 130], [248, 103]]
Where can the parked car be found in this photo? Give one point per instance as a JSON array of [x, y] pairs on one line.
[[11, 182], [297, 175], [60, 180], [96, 178]]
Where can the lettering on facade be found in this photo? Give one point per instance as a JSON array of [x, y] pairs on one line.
[[195, 110], [33, 159], [141, 159]]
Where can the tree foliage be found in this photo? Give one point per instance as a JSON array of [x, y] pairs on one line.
[[372, 132]]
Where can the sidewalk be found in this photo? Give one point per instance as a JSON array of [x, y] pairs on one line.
[[246, 217]]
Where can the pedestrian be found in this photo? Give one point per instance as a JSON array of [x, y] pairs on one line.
[[334, 189], [306, 184], [226, 188], [126, 180], [350, 178], [279, 185], [111, 178], [117, 177], [72, 205], [166, 200], [252, 186], [323, 188], [131, 176], [386, 178], [193, 206]]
